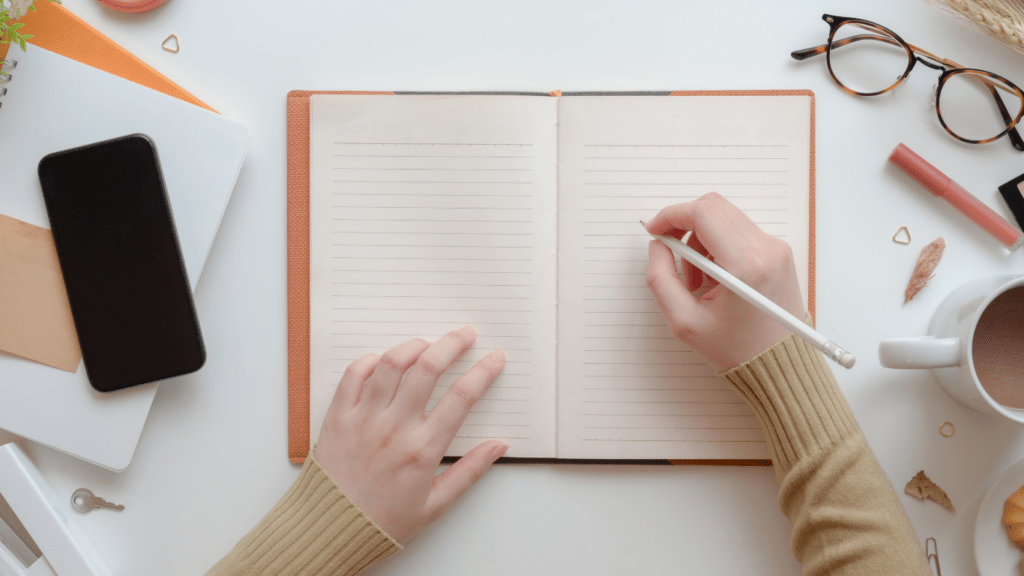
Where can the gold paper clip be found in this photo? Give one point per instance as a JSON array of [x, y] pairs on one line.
[[176, 45], [928, 545]]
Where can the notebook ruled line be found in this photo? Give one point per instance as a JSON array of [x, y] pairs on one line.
[[424, 182], [684, 158], [685, 145], [425, 220], [433, 195], [685, 184], [421, 156], [696, 171], [425, 144], [670, 428], [758, 441]]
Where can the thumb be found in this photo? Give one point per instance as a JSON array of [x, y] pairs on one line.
[[454, 481]]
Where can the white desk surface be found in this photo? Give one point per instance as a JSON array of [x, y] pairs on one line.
[[212, 461]]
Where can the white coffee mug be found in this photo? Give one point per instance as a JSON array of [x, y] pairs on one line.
[[978, 357]]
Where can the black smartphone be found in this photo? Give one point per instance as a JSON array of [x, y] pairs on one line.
[[119, 253]]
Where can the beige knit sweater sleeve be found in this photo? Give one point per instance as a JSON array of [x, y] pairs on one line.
[[846, 517], [315, 530]]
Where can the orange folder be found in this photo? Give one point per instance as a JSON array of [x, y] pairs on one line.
[[58, 30]]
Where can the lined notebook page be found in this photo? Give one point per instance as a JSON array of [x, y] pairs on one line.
[[627, 388], [429, 213]]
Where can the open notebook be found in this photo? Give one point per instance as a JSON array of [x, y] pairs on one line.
[[519, 215]]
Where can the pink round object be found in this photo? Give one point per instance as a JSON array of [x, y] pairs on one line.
[[131, 6]]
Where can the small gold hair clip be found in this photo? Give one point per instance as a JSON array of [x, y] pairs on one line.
[[167, 45], [896, 237]]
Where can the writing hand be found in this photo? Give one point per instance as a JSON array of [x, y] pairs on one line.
[[381, 447], [719, 325]]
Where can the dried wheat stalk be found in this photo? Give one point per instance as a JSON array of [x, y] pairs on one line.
[[1000, 19]]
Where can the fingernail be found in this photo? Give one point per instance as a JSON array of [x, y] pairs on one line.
[[468, 330], [499, 450]]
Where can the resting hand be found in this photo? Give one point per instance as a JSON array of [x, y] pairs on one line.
[[381, 447], [719, 325]]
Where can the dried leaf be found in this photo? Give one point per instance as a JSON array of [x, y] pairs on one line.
[[921, 487], [925, 269]]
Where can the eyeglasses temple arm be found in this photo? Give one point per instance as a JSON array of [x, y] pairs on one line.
[[944, 61], [809, 52], [1015, 138], [953, 65]]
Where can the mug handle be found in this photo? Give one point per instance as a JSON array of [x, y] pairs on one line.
[[919, 352]]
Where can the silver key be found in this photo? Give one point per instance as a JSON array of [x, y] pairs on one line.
[[83, 500]]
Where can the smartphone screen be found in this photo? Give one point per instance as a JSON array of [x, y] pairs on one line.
[[122, 265]]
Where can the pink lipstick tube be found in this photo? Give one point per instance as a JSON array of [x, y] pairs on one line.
[[943, 186]]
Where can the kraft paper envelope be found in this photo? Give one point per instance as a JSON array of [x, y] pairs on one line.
[[35, 316]]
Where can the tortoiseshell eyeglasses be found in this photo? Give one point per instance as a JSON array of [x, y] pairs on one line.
[[973, 105]]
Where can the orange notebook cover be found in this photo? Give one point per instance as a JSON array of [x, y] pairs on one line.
[[298, 106], [58, 30]]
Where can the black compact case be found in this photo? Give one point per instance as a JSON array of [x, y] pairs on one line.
[[1013, 194], [122, 265]]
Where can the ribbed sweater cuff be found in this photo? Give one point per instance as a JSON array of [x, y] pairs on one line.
[[314, 530], [796, 399]]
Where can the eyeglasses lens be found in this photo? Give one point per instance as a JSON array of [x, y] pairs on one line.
[[866, 59], [968, 106]]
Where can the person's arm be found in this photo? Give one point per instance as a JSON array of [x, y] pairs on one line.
[[846, 517], [376, 458]]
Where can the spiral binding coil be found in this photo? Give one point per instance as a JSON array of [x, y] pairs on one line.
[[6, 76]]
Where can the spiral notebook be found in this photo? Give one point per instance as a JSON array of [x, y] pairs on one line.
[[519, 214], [52, 103]]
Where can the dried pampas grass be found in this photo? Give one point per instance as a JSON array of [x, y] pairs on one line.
[[1000, 19], [925, 269]]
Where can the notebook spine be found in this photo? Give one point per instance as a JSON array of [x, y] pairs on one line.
[[5, 75]]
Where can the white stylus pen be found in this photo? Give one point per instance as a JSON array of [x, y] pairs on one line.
[[738, 287]]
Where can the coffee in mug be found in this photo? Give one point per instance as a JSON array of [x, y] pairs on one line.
[[999, 348]]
